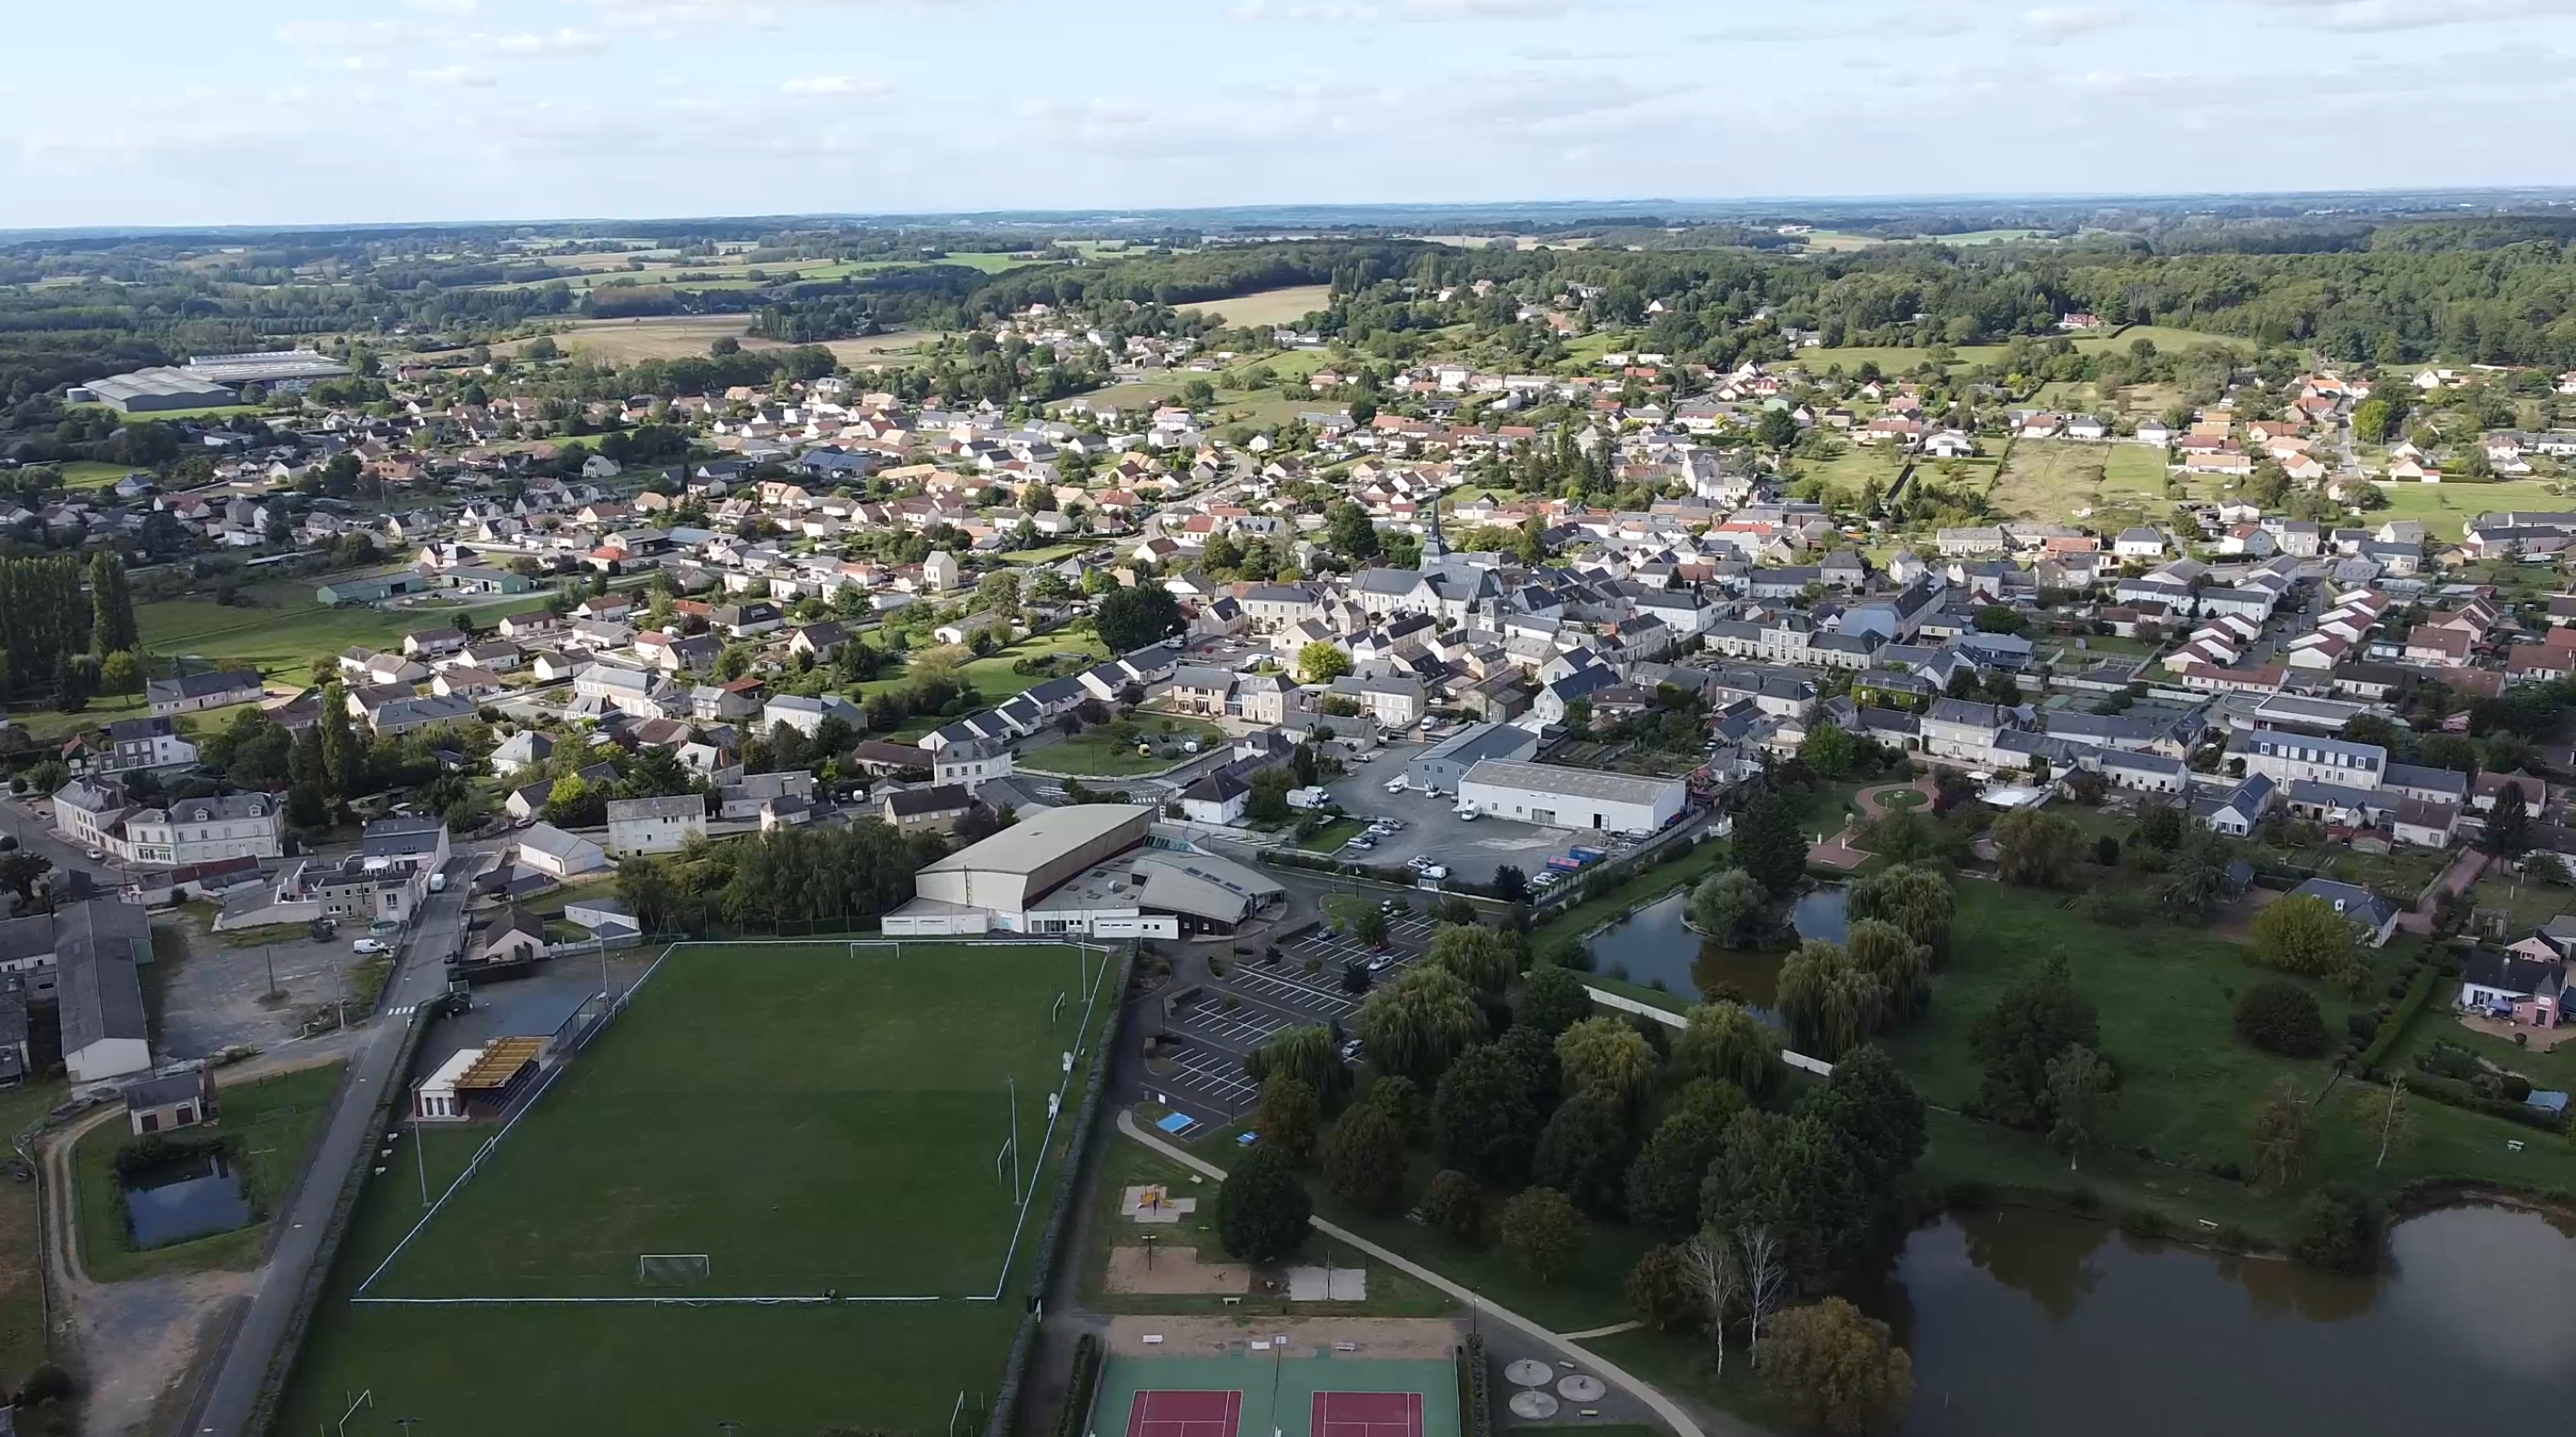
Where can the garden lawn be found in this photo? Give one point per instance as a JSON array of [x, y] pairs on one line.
[[992, 675], [271, 1124], [1091, 754]]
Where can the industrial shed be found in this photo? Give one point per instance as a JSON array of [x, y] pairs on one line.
[[1554, 797]]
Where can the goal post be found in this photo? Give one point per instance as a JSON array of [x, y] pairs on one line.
[[672, 1269]]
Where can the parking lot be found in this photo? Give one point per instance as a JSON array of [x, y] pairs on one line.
[[1470, 849], [1237, 1010]]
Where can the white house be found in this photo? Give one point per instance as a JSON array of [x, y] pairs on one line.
[[655, 825]]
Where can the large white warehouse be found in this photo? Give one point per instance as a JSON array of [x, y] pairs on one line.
[[1555, 797]]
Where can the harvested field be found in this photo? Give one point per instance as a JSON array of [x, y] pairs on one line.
[[1272, 306]]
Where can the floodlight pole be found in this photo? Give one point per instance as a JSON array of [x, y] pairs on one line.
[[419, 1158]]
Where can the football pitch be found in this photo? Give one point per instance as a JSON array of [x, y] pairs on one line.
[[813, 1143]]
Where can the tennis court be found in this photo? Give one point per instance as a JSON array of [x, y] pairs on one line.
[[1256, 1392]]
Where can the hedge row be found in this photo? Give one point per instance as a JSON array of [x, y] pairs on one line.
[[1475, 1399], [1079, 1386], [1015, 1370]]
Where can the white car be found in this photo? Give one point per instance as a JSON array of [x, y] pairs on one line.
[[1395, 785], [1466, 815], [369, 945]]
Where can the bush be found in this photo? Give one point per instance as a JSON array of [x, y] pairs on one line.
[[2337, 1228], [1456, 1206], [2282, 1017], [2362, 1024]]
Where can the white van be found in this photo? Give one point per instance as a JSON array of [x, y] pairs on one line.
[[438, 883]]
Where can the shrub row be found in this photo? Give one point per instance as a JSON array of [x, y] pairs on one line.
[[1475, 1399], [1015, 1370], [2429, 974], [1078, 1387]]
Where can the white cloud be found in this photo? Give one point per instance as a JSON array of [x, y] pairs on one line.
[[458, 75], [352, 34], [2383, 15], [862, 85], [445, 7], [2053, 23], [562, 42]]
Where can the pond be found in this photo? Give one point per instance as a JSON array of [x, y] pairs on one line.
[[1654, 943], [2030, 1324], [187, 1198]]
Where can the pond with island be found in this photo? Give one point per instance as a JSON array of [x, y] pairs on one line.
[[1654, 946]]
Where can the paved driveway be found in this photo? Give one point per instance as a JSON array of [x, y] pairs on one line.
[[1471, 850]]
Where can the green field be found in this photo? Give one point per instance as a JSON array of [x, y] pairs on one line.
[[271, 1124], [1899, 360], [808, 1118], [94, 474], [2446, 509], [2056, 480], [286, 639], [2188, 1085]]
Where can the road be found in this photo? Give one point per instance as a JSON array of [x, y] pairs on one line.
[[35, 836], [226, 1401]]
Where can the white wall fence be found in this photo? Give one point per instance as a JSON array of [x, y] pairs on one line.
[[1670, 1019]]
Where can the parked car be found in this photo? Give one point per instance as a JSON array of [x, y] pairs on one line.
[[369, 945], [97, 855], [1351, 1051], [1383, 961], [1395, 785]]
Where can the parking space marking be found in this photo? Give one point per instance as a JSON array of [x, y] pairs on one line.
[[1245, 1028], [1291, 990], [1214, 1073]]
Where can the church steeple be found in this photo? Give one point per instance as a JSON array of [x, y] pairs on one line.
[[1433, 547]]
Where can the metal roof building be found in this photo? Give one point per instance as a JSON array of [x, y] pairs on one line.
[[1554, 797], [147, 391]]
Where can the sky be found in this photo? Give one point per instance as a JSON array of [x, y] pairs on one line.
[[185, 112]]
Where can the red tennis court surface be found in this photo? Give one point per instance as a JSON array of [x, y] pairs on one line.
[[1186, 1414], [1367, 1414]]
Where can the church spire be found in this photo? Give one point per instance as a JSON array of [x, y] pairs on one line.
[[1432, 545]]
